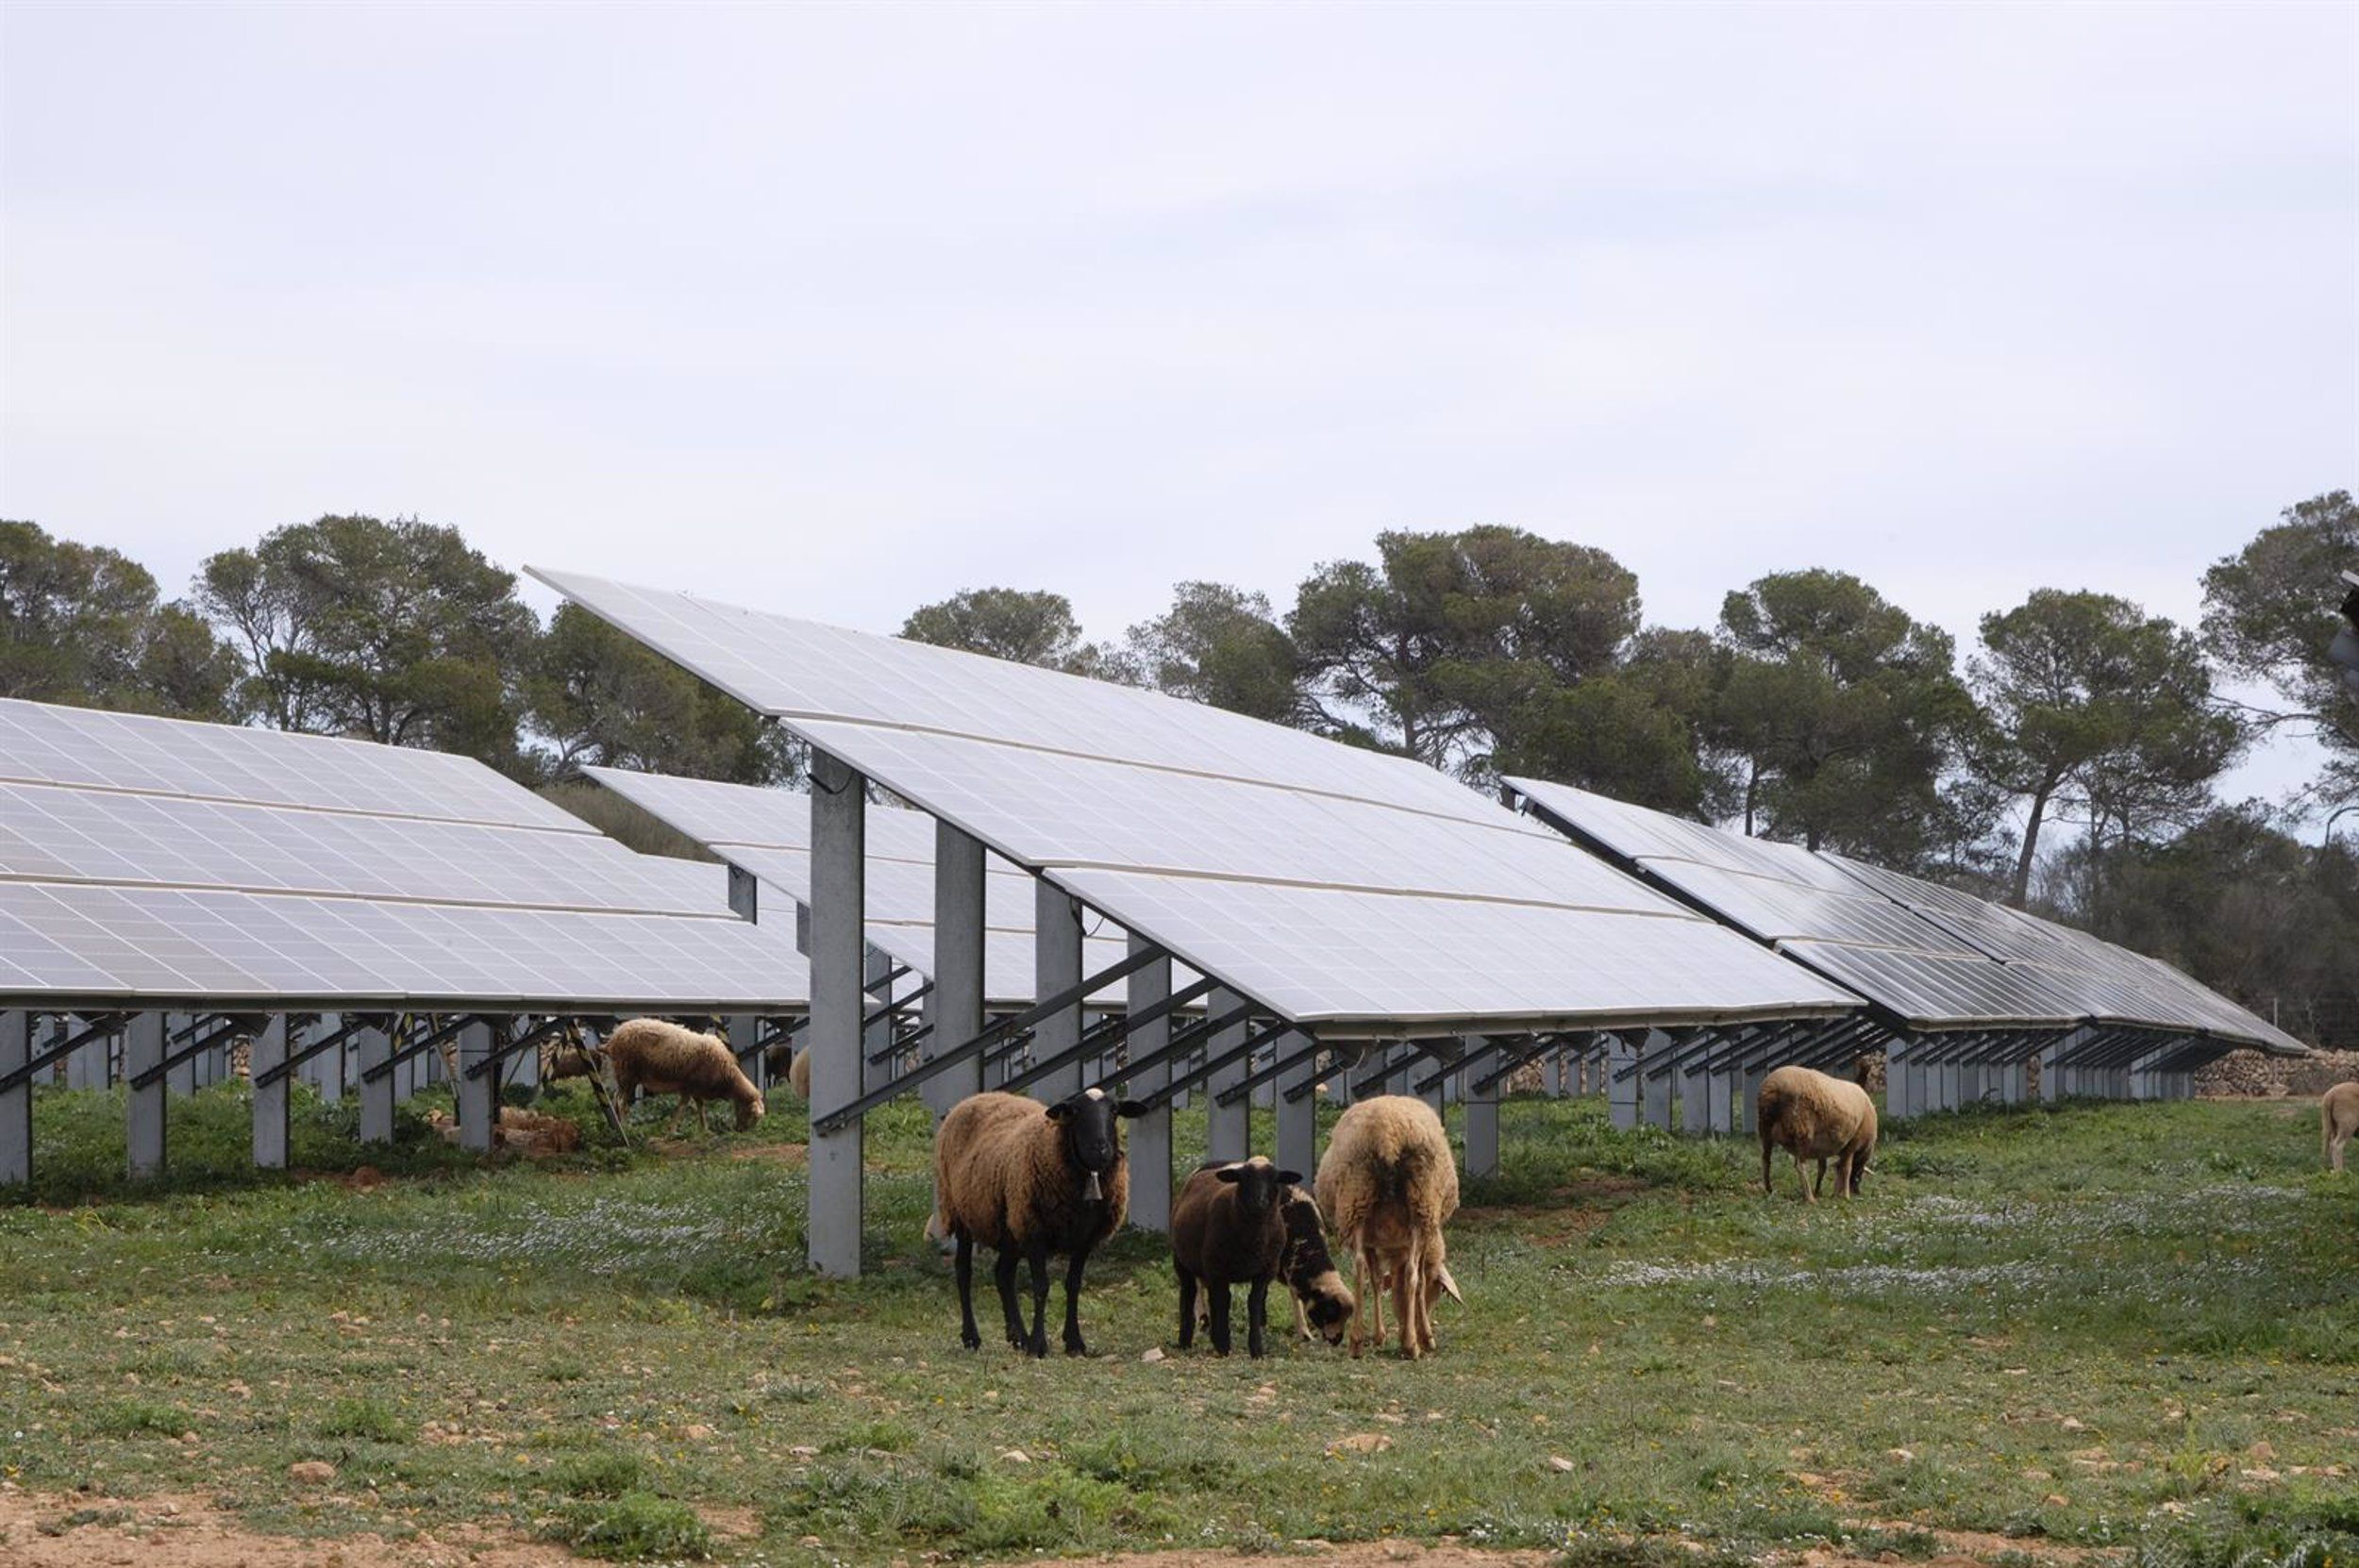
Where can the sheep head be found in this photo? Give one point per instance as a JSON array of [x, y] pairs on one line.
[[750, 1110], [1257, 1183], [1093, 1138]]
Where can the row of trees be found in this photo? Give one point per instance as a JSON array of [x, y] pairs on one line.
[[1815, 711]]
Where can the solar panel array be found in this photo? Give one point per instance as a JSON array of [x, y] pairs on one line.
[[157, 859], [1345, 890], [2109, 984], [1937, 958], [767, 833]]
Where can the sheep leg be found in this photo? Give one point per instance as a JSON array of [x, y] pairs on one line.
[[1037, 1341], [1187, 1309], [1004, 1272], [1302, 1319], [1801, 1174], [1376, 1302], [1359, 1276], [1257, 1319], [969, 1335], [1407, 1285], [2335, 1145], [704, 1126], [1073, 1343], [1821, 1185], [1842, 1162], [1766, 1188], [1218, 1290]]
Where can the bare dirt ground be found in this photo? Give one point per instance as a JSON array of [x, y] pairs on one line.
[[189, 1532], [39, 1531]]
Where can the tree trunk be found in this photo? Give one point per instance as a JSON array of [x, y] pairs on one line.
[[2021, 899]]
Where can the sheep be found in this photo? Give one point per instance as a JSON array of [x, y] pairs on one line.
[[2339, 1115], [1323, 1303], [1816, 1116], [1031, 1181], [664, 1058], [1227, 1229], [1390, 1182], [1322, 1300], [798, 1075]]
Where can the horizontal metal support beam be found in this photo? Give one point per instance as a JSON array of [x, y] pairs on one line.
[[1118, 1026], [1030, 1017], [1278, 1066], [229, 1029], [489, 1060], [60, 1049], [271, 1076], [1242, 1051], [416, 1048]]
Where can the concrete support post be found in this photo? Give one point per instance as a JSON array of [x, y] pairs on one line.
[[1228, 1128], [143, 1115], [956, 1003], [269, 1049], [181, 1078], [328, 1068], [1621, 1080], [1150, 1134], [374, 1048], [85, 1066], [1746, 1094], [839, 904], [1695, 1093], [741, 1030], [1056, 967], [1654, 1090], [1297, 1119], [1552, 1074], [877, 991], [1421, 1066], [478, 1096], [16, 1105], [1482, 1119]]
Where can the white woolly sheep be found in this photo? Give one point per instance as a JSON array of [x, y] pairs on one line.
[[2338, 1116], [1031, 1181], [1816, 1116], [1227, 1229], [1389, 1182], [664, 1058]]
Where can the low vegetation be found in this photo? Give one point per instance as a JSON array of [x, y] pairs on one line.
[[2127, 1329]]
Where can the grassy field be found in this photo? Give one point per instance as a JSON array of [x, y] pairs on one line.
[[2127, 1329]]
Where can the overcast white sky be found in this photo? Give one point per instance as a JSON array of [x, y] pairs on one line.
[[839, 309]]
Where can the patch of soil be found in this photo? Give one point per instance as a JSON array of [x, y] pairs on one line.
[[1345, 1554], [776, 1154], [189, 1532]]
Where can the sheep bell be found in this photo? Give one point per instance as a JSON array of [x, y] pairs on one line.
[[1091, 1138], [1257, 1183]]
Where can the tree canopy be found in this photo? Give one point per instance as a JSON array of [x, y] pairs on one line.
[[1028, 627], [2269, 613], [82, 623], [2099, 708]]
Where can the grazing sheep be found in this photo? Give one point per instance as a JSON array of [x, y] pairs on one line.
[[1227, 1229], [664, 1058], [1389, 1182], [798, 1075], [1323, 1303], [1031, 1181], [1817, 1117], [568, 1059], [2338, 1113], [1322, 1300]]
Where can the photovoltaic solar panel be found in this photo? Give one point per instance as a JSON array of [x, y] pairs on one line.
[[1348, 891], [132, 868], [767, 833], [1938, 957], [1811, 910], [2110, 983]]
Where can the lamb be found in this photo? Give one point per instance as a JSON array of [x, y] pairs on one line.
[[1031, 1181], [2339, 1115], [1323, 1303], [1227, 1229], [1817, 1117], [1322, 1300], [664, 1058], [1390, 1182]]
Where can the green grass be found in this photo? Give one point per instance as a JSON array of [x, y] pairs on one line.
[[2127, 1327]]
